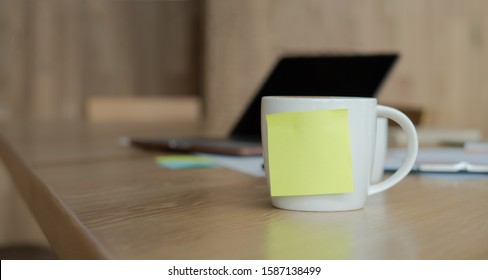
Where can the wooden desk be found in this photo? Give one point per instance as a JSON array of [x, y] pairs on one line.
[[95, 199]]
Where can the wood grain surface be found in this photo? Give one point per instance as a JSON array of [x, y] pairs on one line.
[[95, 199]]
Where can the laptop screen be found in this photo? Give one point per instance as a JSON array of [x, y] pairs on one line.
[[332, 75]]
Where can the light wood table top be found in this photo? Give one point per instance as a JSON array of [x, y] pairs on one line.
[[95, 199]]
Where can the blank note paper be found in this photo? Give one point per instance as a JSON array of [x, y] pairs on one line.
[[309, 153], [184, 162]]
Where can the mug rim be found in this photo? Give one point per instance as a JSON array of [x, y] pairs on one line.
[[308, 97]]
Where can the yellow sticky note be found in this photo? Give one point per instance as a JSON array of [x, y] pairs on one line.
[[309, 153], [308, 240]]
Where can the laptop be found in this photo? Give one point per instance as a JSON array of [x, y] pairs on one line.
[[327, 75]]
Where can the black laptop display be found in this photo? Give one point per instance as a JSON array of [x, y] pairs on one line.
[[328, 75], [359, 76]]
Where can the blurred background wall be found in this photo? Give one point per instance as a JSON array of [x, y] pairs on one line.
[[57, 55], [443, 46]]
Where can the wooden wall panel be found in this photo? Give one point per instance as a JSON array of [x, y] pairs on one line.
[[55, 54], [12, 70], [443, 47]]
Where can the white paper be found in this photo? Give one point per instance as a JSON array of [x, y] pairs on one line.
[[252, 165], [440, 160]]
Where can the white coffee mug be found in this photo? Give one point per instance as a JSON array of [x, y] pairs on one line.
[[362, 114]]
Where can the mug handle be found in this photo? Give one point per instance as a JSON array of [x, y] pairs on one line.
[[412, 148]]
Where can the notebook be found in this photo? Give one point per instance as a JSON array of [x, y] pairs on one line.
[[326, 75]]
